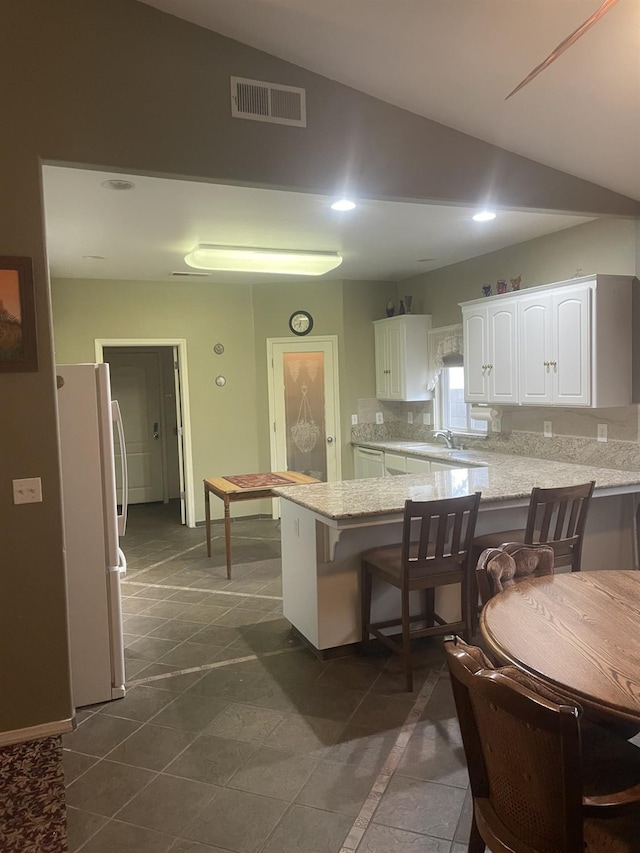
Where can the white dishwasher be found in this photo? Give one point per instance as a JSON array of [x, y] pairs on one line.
[[368, 463]]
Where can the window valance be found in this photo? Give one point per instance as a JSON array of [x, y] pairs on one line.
[[445, 349]]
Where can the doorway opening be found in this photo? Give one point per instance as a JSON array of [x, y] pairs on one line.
[[149, 380]]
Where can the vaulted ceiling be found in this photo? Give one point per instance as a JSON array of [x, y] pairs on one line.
[[454, 61]]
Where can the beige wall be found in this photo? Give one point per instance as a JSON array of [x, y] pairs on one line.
[[120, 85], [230, 425], [606, 246]]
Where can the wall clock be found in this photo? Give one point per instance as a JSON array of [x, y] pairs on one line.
[[301, 322]]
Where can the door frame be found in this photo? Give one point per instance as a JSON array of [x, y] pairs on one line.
[[332, 340], [181, 345]]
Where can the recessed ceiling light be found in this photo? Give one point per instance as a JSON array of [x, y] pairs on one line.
[[93, 257], [484, 216], [343, 204], [117, 184]]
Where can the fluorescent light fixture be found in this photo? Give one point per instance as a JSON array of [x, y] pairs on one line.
[[484, 216], [343, 204], [207, 256]]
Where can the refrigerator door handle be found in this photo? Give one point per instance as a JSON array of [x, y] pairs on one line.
[[117, 639], [122, 563], [117, 419]]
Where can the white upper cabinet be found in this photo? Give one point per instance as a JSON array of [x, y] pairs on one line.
[[565, 344], [555, 347], [490, 352], [401, 357]]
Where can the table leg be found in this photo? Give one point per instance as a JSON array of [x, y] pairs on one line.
[[227, 534], [207, 517]]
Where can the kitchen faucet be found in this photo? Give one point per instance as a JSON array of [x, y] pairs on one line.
[[447, 435]]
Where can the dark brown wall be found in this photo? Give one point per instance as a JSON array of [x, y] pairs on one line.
[[119, 85]]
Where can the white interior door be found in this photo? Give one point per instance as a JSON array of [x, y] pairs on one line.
[[304, 406], [135, 384]]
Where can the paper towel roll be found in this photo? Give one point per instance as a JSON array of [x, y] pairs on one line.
[[484, 413]]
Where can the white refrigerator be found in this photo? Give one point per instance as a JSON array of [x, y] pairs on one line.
[[92, 526]]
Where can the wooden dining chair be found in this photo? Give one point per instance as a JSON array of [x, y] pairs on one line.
[[436, 538], [535, 787], [508, 564], [556, 517]]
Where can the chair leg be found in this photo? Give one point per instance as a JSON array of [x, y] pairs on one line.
[[476, 843], [429, 607], [406, 640], [365, 608]]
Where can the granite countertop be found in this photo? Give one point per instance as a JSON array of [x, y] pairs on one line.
[[432, 450], [500, 477]]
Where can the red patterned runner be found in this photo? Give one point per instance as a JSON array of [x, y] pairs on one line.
[[256, 481]]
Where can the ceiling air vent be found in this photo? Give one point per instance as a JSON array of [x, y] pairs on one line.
[[180, 274], [270, 102]]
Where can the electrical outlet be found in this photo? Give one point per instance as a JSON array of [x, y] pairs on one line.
[[547, 429], [27, 491], [426, 418], [409, 417], [354, 420], [379, 418], [496, 425], [602, 432]]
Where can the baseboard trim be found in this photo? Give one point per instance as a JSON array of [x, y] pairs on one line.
[[58, 727]]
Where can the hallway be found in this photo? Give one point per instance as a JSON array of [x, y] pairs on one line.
[[233, 737]]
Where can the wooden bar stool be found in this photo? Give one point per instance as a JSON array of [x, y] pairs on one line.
[[557, 517], [437, 554]]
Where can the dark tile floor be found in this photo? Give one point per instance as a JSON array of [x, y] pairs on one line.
[[233, 737]]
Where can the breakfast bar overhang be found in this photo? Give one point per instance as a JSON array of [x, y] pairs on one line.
[[325, 528]]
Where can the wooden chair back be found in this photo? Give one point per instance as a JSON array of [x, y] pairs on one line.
[[523, 755], [437, 535], [559, 516]]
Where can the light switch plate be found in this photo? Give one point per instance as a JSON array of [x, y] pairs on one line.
[[426, 418], [547, 429], [379, 418], [28, 491], [496, 425], [409, 417], [602, 432], [354, 420]]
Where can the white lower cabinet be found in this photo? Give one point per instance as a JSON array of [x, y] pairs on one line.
[[378, 463], [418, 466], [394, 463]]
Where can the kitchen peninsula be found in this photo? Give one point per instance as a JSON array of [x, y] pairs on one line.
[[325, 528]]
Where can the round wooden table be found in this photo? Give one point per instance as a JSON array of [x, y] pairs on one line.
[[579, 631]]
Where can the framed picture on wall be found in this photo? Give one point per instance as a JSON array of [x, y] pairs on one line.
[[18, 345]]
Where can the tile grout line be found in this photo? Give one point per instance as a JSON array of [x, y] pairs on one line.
[[166, 560], [207, 666], [365, 815], [198, 589]]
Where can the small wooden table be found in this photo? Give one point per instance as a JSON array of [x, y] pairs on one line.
[[245, 487], [577, 631]]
